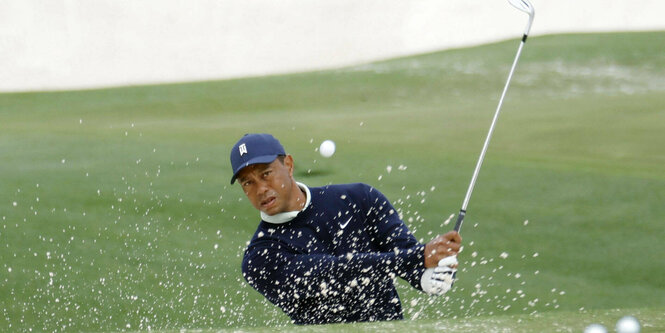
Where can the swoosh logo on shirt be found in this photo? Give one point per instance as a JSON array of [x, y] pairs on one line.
[[343, 225]]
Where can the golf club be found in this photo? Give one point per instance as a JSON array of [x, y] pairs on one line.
[[526, 7]]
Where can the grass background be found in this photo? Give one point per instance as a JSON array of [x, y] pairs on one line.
[[116, 213]]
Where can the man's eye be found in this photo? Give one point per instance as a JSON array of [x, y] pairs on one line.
[[267, 173]]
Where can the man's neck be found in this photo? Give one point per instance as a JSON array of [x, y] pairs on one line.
[[300, 197], [304, 199]]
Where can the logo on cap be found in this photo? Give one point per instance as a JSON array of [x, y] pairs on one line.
[[242, 149]]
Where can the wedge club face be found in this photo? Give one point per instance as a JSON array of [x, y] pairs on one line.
[[524, 6]]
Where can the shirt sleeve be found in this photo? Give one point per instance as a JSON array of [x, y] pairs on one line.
[[392, 235], [285, 277]]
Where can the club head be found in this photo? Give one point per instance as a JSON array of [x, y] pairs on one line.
[[523, 5]]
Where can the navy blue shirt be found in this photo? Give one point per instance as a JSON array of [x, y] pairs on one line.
[[336, 260]]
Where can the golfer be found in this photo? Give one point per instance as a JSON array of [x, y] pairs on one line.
[[329, 254]]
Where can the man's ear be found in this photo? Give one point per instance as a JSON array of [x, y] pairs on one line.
[[288, 162]]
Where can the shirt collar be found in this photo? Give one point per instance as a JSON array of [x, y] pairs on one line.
[[280, 218]]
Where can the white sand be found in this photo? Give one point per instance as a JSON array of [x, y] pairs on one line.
[[65, 44]]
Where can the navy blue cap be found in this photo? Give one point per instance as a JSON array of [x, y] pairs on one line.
[[254, 149]]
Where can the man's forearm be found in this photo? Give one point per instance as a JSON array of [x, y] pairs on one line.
[[291, 272]]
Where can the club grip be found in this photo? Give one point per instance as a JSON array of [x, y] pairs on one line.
[[460, 219], [458, 226]]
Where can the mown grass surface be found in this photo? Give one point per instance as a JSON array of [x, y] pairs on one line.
[[116, 212]]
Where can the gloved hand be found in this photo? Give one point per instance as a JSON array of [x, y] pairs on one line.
[[438, 280]]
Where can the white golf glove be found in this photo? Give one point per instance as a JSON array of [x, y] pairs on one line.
[[438, 280]]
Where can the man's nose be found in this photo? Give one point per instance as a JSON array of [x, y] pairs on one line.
[[262, 187]]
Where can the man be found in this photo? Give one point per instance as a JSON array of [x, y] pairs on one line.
[[330, 254]]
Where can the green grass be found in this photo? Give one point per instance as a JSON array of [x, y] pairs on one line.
[[541, 322], [116, 213]]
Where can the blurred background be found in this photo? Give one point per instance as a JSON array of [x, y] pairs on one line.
[[71, 44]]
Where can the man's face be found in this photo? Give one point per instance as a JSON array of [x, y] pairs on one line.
[[269, 187]]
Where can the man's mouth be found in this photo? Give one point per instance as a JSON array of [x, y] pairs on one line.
[[268, 202]]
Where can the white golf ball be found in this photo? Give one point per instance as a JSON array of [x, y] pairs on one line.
[[628, 324], [595, 328], [327, 148]]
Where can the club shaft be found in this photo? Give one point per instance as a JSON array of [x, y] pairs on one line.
[[462, 213]]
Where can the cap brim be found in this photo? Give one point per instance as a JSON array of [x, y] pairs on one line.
[[256, 160]]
